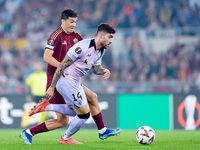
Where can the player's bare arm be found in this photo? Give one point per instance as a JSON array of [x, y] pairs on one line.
[[65, 63], [48, 58], [99, 70]]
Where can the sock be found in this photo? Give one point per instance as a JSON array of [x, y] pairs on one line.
[[98, 119], [61, 108], [101, 131], [65, 137], [49, 107], [74, 126], [38, 129], [29, 132]]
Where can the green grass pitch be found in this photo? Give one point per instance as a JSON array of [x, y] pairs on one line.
[[165, 140]]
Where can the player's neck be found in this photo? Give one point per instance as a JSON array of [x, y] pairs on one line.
[[97, 43], [67, 32]]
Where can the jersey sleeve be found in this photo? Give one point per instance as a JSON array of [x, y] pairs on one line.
[[79, 37], [77, 51], [52, 42]]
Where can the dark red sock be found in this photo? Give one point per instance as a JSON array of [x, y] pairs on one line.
[[98, 119], [38, 129]]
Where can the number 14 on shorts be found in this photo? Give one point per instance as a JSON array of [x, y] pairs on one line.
[[77, 96]]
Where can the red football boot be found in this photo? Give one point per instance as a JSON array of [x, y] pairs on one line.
[[69, 141], [39, 107]]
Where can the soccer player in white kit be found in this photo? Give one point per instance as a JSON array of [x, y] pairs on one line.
[[80, 58]]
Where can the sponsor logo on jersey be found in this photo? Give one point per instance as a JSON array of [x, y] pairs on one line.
[[78, 50], [64, 43], [51, 42]]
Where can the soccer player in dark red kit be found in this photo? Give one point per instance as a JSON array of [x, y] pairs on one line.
[[57, 46]]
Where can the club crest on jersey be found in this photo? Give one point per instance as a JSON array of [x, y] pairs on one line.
[[75, 40], [78, 50], [51, 42]]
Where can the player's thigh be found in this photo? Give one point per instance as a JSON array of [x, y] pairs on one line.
[[57, 98], [72, 92], [90, 95]]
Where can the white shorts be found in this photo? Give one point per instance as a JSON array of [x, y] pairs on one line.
[[72, 92]]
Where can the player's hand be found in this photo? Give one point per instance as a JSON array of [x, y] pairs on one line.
[[106, 74], [50, 92]]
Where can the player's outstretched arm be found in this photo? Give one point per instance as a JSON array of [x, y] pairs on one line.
[[99, 70]]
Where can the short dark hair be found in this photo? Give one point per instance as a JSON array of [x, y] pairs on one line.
[[68, 12], [106, 28]]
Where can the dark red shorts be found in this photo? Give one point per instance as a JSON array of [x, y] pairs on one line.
[[57, 98]]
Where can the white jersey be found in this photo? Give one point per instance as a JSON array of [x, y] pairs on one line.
[[84, 56]]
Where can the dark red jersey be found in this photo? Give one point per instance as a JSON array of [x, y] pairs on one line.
[[60, 42]]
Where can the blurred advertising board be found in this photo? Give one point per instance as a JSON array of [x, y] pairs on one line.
[[154, 110], [14, 112]]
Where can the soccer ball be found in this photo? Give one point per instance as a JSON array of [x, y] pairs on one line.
[[145, 135]]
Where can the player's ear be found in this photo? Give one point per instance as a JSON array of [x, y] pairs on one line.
[[62, 21], [101, 34]]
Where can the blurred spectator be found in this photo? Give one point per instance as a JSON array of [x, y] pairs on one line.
[[184, 71], [184, 15], [37, 83], [165, 14]]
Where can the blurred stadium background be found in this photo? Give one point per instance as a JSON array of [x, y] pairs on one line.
[[156, 50]]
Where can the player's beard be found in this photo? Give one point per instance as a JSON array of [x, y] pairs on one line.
[[105, 45]]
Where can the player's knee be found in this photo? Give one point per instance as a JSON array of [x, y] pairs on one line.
[[93, 98], [84, 116]]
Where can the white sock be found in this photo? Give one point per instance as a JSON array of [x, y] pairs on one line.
[[65, 137], [49, 107], [29, 132], [101, 131], [63, 109], [60, 108], [75, 126]]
